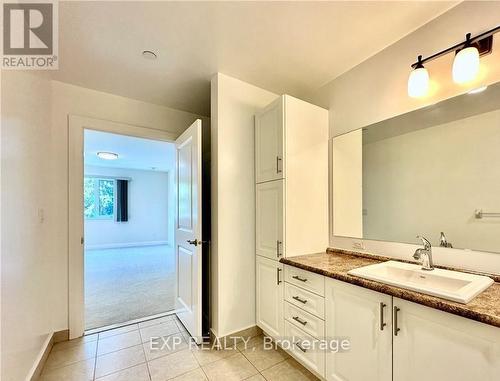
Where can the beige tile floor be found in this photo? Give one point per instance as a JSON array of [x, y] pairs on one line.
[[124, 354]]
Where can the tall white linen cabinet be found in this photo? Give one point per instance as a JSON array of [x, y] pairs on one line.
[[291, 174]]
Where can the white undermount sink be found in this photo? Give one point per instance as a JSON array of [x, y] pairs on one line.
[[452, 285]]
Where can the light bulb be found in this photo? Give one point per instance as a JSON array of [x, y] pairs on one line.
[[466, 65], [418, 82]]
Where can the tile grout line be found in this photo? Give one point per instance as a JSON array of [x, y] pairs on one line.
[[269, 367], [130, 346], [199, 364], [145, 357], [95, 358]]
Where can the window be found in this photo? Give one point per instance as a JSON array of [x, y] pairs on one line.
[[99, 198]]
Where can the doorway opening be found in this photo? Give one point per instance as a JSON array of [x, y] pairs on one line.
[[129, 237], [190, 205]]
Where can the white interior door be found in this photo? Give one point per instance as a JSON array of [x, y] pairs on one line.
[[188, 230]]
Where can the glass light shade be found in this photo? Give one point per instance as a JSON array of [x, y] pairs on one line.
[[466, 65], [107, 155], [418, 83]]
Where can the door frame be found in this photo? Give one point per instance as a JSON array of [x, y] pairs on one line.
[[76, 126]]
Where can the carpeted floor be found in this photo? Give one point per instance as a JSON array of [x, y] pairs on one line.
[[128, 283]]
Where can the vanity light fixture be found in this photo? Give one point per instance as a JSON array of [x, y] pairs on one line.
[[465, 66], [418, 82], [466, 63], [107, 155]]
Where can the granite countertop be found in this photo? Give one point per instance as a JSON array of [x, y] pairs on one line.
[[484, 308]]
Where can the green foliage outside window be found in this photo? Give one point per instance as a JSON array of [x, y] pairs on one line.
[[98, 197]]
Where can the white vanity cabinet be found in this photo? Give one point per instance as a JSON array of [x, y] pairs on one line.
[[269, 296], [291, 172], [269, 219], [269, 142], [364, 318], [390, 339], [435, 345], [304, 317], [291, 162]]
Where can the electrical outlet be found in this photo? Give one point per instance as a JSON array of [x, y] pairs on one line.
[[358, 245]]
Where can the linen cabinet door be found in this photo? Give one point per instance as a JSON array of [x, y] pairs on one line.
[[269, 142], [436, 345], [269, 296], [364, 318], [269, 219]]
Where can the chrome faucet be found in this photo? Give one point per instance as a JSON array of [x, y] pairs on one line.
[[425, 254]]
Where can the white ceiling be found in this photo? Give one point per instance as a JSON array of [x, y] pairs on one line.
[[285, 47], [134, 153]]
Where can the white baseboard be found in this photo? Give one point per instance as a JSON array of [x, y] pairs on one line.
[[125, 244], [238, 332], [36, 370]]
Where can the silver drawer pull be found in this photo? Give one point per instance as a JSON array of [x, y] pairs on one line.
[[298, 299], [299, 278], [297, 344], [299, 320], [395, 320], [382, 324]]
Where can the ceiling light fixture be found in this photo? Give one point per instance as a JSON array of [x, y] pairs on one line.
[[465, 66], [149, 55], [418, 82], [478, 90], [107, 155]]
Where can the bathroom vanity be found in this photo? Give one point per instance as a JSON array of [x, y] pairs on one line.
[[394, 333], [427, 172]]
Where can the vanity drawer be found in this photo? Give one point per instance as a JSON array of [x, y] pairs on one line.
[[311, 358], [305, 279], [305, 300], [309, 323]]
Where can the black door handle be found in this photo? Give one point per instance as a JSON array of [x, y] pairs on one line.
[[195, 242]]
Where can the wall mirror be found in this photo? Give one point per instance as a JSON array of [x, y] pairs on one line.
[[431, 171]]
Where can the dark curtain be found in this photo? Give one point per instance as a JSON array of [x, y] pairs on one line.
[[121, 200]]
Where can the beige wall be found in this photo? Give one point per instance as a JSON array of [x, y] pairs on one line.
[[27, 263], [149, 208], [377, 88], [68, 99], [234, 104], [432, 180], [34, 140]]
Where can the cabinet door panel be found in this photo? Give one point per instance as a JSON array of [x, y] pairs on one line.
[[269, 296], [269, 137], [435, 345], [312, 359], [269, 219], [307, 322], [353, 312], [308, 301], [305, 279]]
